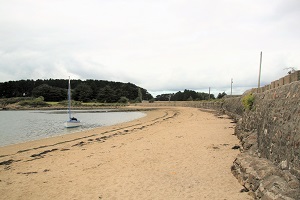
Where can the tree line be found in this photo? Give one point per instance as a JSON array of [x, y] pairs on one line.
[[188, 95], [85, 91]]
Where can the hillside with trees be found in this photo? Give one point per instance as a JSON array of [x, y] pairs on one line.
[[186, 95], [54, 90]]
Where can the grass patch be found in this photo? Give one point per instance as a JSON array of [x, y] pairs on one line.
[[37, 102], [53, 103], [96, 104]]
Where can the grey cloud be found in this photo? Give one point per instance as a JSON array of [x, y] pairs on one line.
[[159, 45]]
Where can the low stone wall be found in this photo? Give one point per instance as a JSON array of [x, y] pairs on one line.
[[213, 104], [295, 76]]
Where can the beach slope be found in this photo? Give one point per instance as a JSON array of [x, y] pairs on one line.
[[172, 153]]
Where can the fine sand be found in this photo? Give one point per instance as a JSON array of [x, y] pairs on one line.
[[172, 153]]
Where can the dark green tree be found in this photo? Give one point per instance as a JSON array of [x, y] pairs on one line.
[[178, 96], [221, 95], [107, 95], [42, 90], [163, 97], [55, 90], [82, 92], [50, 93]]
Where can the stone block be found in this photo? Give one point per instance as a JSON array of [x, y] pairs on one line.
[[277, 83], [281, 82], [273, 83], [294, 184], [283, 164], [295, 76], [287, 79], [267, 87]]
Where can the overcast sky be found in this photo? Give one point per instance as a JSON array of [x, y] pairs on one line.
[[160, 45]]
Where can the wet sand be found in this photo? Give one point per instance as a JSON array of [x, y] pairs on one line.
[[172, 153]]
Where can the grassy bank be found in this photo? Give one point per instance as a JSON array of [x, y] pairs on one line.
[[27, 103]]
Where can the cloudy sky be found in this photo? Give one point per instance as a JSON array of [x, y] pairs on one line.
[[160, 45]]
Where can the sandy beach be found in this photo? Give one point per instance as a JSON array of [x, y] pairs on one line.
[[172, 153]]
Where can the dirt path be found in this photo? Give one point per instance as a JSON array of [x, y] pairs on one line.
[[173, 153]]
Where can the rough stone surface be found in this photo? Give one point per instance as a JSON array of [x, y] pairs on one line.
[[276, 119], [263, 179], [269, 163]]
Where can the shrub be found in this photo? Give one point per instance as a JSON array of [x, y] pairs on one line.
[[123, 100], [6, 101], [38, 102], [190, 98], [73, 103], [137, 100], [248, 101], [151, 100], [40, 98]]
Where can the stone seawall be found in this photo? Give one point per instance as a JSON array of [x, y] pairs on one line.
[[295, 76], [214, 105], [269, 163]]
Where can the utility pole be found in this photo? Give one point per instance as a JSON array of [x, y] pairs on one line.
[[208, 93], [259, 70], [231, 87]]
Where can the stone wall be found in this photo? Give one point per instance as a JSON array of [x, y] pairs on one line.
[[295, 76], [278, 114], [213, 104], [233, 107], [269, 163]]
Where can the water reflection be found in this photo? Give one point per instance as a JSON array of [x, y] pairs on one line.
[[21, 126]]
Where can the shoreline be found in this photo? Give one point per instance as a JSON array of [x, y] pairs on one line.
[[65, 131], [126, 108], [174, 152], [76, 135]]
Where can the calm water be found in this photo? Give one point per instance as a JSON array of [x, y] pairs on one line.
[[22, 126]]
